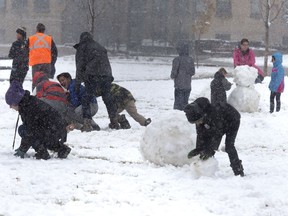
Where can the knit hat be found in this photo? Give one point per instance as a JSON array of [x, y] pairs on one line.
[[196, 110], [14, 93], [22, 31]]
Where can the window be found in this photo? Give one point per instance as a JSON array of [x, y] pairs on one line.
[[226, 37], [2, 5], [41, 6], [255, 9], [223, 8], [19, 4]]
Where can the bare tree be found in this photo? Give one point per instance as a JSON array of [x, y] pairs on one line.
[[202, 24], [270, 11], [94, 9]]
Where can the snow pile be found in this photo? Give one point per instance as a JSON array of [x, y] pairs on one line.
[[244, 97], [204, 168], [168, 140]]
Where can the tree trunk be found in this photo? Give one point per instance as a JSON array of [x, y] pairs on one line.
[[266, 53], [266, 40]]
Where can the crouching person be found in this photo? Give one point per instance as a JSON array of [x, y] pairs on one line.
[[75, 98], [212, 122], [43, 127], [124, 100]]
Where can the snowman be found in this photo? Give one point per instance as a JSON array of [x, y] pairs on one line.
[[244, 97]]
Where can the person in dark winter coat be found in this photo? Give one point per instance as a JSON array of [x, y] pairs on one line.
[[276, 84], [182, 71], [75, 99], [19, 53], [213, 121], [94, 69], [43, 127], [124, 100], [219, 86]]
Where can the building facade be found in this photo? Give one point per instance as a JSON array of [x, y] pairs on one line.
[[139, 23]]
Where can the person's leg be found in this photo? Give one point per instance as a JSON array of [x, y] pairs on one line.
[[235, 163], [90, 88], [132, 111], [108, 99], [186, 96], [278, 102], [272, 105], [177, 99]]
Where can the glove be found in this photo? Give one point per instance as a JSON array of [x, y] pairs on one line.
[[194, 152], [207, 153], [19, 153]]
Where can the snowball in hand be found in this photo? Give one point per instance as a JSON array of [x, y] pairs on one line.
[[168, 139], [244, 97]]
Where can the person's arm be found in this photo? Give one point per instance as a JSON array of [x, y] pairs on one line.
[[235, 58], [192, 69], [251, 58], [175, 68], [13, 51], [226, 84], [54, 52]]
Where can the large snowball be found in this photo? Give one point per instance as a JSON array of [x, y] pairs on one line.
[[244, 97], [168, 139], [245, 75], [204, 168]]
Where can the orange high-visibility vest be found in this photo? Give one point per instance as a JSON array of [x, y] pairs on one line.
[[40, 49]]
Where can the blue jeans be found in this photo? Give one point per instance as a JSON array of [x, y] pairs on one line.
[[181, 98]]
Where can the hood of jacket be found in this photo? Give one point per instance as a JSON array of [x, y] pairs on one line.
[[183, 50], [84, 37], [278, 59]]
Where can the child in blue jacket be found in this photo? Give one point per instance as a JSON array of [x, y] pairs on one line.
[[276, 84]]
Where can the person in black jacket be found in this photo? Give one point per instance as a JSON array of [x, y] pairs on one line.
[[212, 122], [94, 69], [19, 53], [219, 86], [43, 127]]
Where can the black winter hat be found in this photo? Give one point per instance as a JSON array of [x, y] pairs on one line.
[[196, 110], [22, 31]]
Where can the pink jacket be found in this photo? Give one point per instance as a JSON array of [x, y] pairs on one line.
[[247, 59]]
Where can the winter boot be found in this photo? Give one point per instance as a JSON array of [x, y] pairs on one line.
[[114, 123], [42, 153], [64, 151], [237, 168], [147, 122], [271, 107], [96, 127], [278, 106], [87, 125], [124, 123]]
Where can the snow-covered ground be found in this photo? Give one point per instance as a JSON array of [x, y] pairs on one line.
[[105, 173]]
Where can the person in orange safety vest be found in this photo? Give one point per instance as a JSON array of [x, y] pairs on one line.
[[42, 51]]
